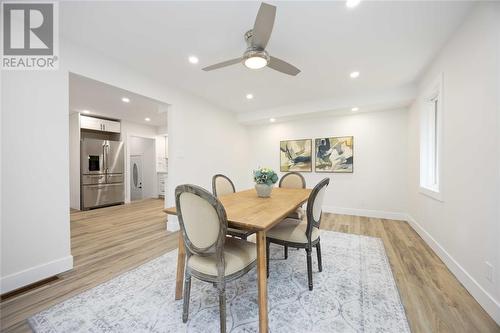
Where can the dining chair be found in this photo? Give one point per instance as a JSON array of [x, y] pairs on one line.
[[293, 180], [302, 234], [210, 255], [222, 185]]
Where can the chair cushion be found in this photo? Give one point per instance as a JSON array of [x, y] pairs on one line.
[[291, 180], [292, 231], [238, 254], [297, 215], [223, 186]]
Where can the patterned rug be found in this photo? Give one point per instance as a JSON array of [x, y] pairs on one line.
[[355, 292]]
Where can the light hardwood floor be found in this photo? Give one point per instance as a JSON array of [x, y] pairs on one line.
[[110, 241], [104, 243]]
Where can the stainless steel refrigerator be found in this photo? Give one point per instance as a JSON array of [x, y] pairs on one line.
[[102, 182]]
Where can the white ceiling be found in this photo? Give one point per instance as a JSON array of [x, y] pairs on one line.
[[105, 100], [390, 43]]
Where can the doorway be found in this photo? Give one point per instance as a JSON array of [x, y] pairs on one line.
[[136, 173], [141, 161]]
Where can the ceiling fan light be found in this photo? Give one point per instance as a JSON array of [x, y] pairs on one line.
[[255, 62]]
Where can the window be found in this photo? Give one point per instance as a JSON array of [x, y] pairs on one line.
[[430, 144]]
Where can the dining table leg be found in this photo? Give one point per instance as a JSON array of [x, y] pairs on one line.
[[262, 280], [181, 261]]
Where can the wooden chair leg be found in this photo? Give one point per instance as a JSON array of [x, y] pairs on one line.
[[318, 253], [309, 268], [187, 292], [267, 256], [222, 306], [286, 252]]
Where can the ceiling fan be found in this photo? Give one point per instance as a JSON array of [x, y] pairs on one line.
[[256, 56]]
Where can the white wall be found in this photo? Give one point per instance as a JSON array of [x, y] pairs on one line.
[[203, 141], [146, 148], [74, 160], [377, 187], [464, 229], [35, 183]]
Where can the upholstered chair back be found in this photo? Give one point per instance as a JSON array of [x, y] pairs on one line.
[[202, 219], [315, 204], [222, 185], [292, 180]]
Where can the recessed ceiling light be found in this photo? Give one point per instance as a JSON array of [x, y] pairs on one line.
[[354, 109], [352, 3], [193, 59], [125, 100], [86, 111], [272, 120], [147, 119], [354, 75], [249, 96]]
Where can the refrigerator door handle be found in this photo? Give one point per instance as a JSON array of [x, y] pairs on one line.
[[107, 156], [104, 158]]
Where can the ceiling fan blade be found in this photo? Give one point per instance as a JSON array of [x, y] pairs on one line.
[[282, 66], [222, 64], [263, 25]]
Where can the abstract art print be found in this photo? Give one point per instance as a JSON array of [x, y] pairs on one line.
[[334, 154], [296, 155]]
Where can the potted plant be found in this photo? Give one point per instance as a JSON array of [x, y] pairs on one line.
[[264, 178]]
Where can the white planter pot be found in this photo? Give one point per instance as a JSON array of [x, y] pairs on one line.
[[263, 190]]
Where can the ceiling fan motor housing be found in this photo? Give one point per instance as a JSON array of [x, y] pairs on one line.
[[253, 51]]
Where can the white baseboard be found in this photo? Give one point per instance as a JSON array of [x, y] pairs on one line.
[[366, 212], [34, 274], [487, 302]]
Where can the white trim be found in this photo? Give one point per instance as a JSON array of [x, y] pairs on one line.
[[433, 91], [433, 194], [486, 300], [365, 212], [35, 274]]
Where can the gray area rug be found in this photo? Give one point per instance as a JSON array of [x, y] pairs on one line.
[[355, 292]]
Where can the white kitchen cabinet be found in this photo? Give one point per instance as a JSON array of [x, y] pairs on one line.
[[162, 181], [161, 153], [91, 123], [111, 126], [98, 124]]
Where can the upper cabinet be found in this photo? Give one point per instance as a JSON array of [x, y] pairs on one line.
[[91, 123], [98, 124], [111, 126]]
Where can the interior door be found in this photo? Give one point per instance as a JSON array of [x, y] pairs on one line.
[[135, 177]]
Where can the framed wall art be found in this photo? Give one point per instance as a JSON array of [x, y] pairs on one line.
[[334, 154], [296, 155]]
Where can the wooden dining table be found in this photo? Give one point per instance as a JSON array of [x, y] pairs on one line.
[[245, 210]]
